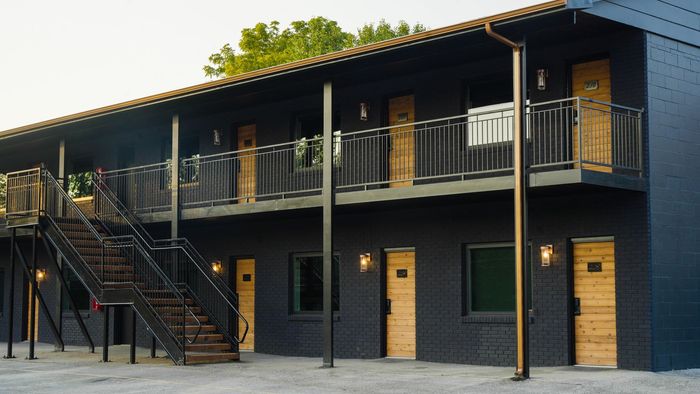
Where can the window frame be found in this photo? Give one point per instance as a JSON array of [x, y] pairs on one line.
[[292, 257], [467, 278]]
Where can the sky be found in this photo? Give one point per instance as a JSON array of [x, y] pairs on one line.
[[62, 57]]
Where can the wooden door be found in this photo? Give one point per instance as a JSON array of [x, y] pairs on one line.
[[401, 304], [402, 141], [594, 303], [36, 313], [245, 287], [246, 183], [592, 80]]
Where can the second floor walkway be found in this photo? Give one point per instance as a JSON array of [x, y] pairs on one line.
[[569, 141]]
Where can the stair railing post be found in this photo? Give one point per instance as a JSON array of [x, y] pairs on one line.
[[153, 346], [184, 326], [11, 310], [102, 262]]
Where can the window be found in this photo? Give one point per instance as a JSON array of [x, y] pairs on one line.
[[2, 293], [490, 279], [307, 283], [79, 293], [80, 181], [489, 104], [308, 133], [189, 150]]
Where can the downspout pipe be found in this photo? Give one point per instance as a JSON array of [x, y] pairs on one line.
[[522, 370]]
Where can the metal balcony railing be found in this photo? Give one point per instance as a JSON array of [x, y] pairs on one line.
[[142, 189], [561, 134]]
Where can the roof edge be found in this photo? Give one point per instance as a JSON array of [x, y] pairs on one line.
[[287, 67]]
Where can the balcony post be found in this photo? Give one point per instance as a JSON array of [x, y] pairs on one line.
[[328, 203], [175, 177], [59, 259]]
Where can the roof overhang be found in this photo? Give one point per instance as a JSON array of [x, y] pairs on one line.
[[284, 69]]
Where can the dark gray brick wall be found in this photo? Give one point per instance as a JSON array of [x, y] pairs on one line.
[[674, 197], [439, 230]]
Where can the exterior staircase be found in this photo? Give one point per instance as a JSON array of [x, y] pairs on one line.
[[185, 307]]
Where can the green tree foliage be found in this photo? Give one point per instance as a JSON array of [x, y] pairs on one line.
[[3, 190], [266, 45], [79, 185], [370, 33]]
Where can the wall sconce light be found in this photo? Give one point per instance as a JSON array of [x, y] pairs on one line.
[[40, 275], [217, 137], [546, 252], [542, 75], [364, 111], [366, 262], [216, 266]]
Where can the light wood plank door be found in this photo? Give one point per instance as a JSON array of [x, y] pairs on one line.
[[401, 304], [246, 183], [594, 292], [402, 158], [245, 287], [592, 80]]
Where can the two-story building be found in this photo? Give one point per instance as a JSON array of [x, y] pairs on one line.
[[421, 162]]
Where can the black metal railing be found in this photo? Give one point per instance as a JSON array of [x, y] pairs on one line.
[[177, 258], [108, 260], [562, 134]]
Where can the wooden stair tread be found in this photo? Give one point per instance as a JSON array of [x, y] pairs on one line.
[[204, 338], [203, 347], [211, 357]]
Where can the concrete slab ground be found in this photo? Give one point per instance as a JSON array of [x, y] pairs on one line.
[[77, 371]]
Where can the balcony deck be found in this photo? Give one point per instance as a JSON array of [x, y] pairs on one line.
[[574, 142]]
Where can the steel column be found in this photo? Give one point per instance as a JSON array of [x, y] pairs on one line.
[[105, 336], [175, 177], [59, 259], [153, 347], [32, 297], [328, 225], [132, 347], [11, 308]]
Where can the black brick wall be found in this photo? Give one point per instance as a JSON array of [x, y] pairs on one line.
[[439, 230], [674, 197]]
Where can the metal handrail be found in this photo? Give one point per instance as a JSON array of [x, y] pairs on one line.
[[448, 148], [140, 233], [110, 242]]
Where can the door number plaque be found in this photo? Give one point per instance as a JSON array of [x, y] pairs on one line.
[[595, 267], [402, 273], [246, 277]]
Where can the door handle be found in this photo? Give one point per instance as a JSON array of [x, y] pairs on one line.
[[577, 306], [388, 306]]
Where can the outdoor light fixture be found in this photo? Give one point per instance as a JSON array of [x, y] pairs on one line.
[[365, 262], [217, 137], [542, 75], [216, 266], [546, 252], [364, 111], [40, 275]]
